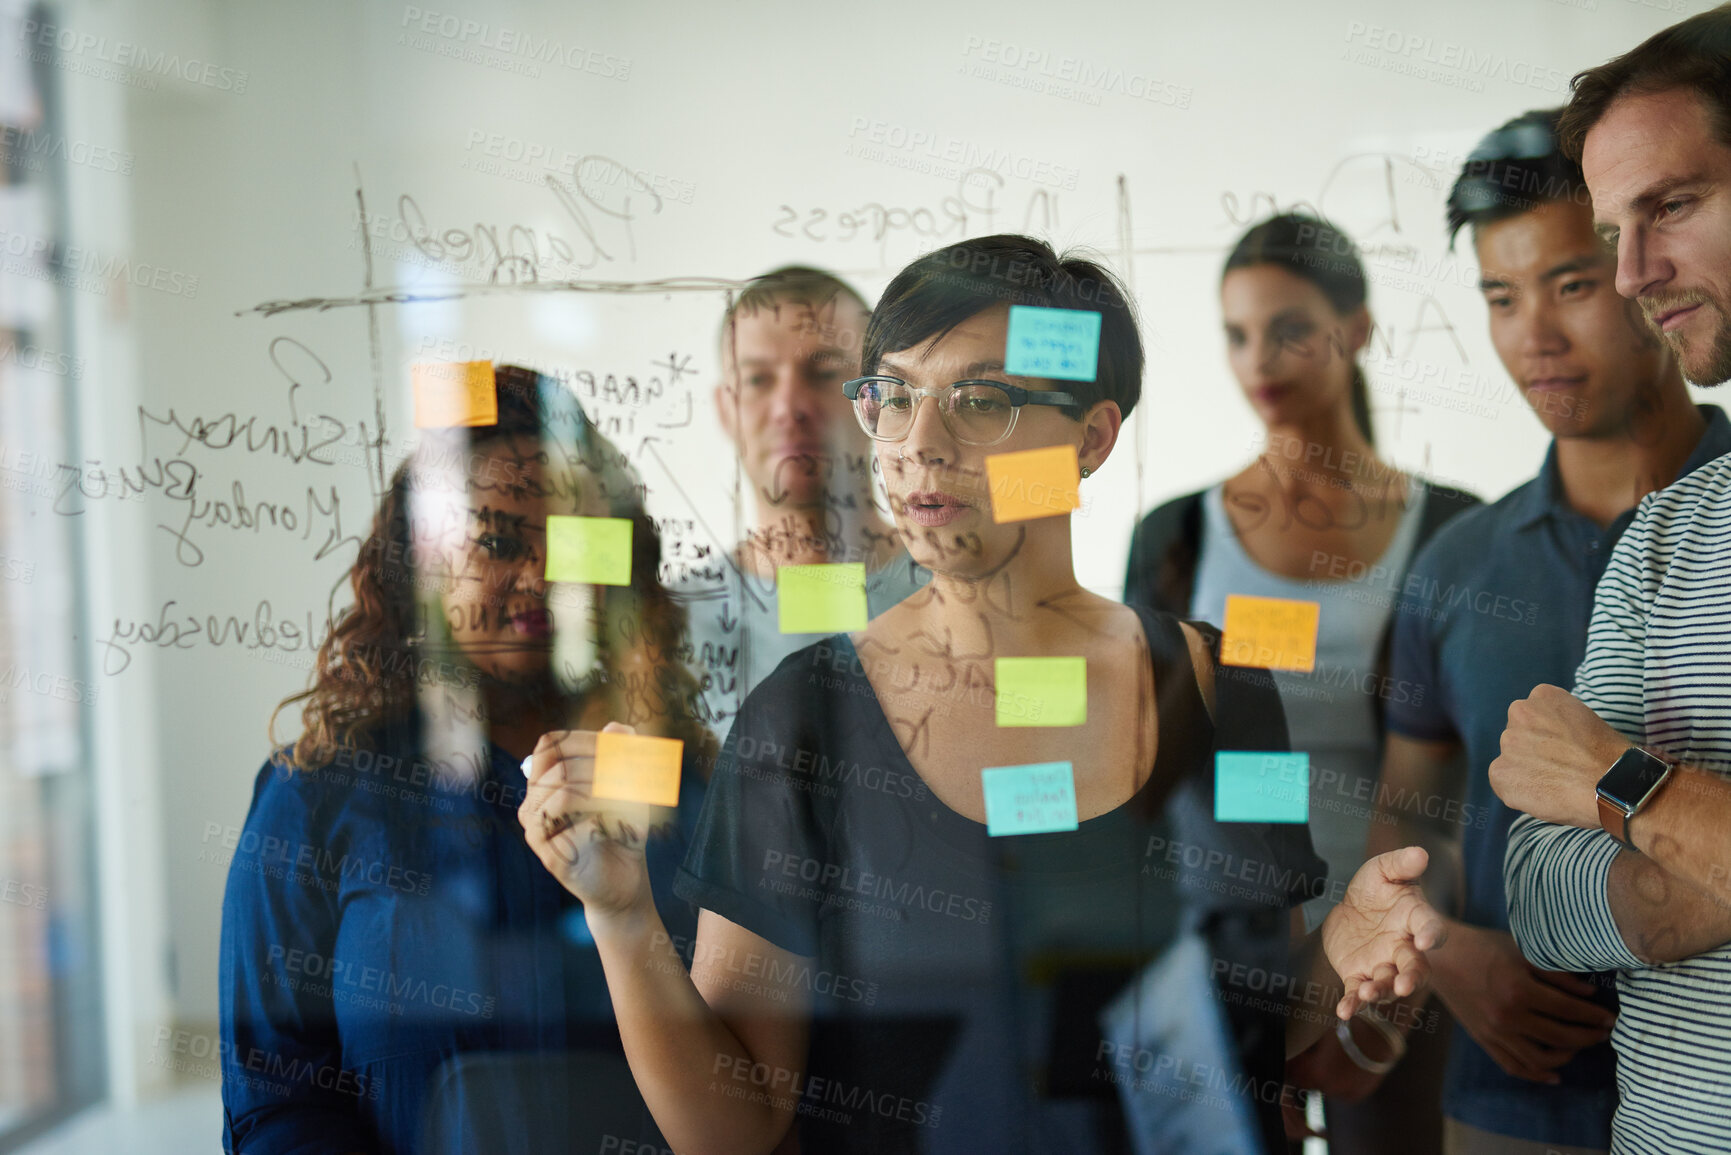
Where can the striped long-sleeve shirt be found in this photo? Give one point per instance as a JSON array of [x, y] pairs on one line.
[[1658, 669]]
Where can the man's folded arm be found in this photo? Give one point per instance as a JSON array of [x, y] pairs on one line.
[[1580, 901], [1559, 906]]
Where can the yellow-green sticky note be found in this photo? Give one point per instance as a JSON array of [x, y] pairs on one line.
[[1042, 691], [821, 599], [592, 550]]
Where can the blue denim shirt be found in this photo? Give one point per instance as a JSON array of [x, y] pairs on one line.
[[1495, 604], [381, 921]]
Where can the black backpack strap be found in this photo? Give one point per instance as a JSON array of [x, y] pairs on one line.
[[1164, 551], [1253, 935], [1247, 705], [1440, 504]]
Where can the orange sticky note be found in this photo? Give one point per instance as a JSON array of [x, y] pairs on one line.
[[449, 393], [1034, 483], [637, 768], [1270, 633]]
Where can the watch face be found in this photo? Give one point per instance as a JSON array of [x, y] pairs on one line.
[[1632, 777]]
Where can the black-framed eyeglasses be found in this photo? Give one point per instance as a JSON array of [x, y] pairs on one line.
[[975, 412]]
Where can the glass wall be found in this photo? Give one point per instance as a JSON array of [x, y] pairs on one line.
[[50, 1012]]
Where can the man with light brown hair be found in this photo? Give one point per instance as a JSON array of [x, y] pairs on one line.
[[1620, 861], [788, 342]]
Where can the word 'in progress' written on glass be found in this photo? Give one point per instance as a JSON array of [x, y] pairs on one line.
[[1041, 691], [1059, 344], [1035, 799], [1034, 483], [637, 768], [1270, 633], [592, 550], [821, 599], [454, 393], [1261, 787]]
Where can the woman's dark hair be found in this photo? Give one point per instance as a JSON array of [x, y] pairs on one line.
[[367, 672], [1694, 54], [944, 288], [1514, 170], [1326, 257]]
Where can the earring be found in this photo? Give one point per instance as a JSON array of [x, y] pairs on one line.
[[1086, 473]]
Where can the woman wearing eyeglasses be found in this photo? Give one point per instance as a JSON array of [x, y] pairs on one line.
[[883, 955]]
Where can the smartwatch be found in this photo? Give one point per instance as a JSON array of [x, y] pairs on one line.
[[1627, 786]]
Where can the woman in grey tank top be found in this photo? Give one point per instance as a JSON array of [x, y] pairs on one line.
[[1316, 517]]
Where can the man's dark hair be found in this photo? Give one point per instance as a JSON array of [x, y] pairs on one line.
[[1695, 54], [796, 284], [1308, 247], [944, 288], [1514, 170]]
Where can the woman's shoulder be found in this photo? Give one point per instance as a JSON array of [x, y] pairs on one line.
[[301, 780], [805, 679], [287, 796], [819, 708]]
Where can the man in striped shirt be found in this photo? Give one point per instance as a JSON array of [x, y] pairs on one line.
[[1592, 886]]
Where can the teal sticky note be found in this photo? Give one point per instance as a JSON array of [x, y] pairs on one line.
[[1057, 343], [592, 550], [1041, 691], [821, 599], [1034, 799], [1251, 786]]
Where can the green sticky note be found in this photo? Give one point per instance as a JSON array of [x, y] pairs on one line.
[[593, 550], [1260, 787], [1063, 344], [1033, 799], [1042, 691], [821, 599]]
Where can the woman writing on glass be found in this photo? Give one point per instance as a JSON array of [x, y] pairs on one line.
[[384, 928], [870, 958]]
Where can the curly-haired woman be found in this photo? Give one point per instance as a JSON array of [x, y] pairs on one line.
[[385, 926]]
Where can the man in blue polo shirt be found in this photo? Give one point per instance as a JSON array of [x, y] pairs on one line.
[[1497, 603]]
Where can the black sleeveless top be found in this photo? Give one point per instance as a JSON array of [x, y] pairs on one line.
[[956, 978]]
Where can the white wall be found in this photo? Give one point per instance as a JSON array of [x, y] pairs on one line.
[[766, 113]]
